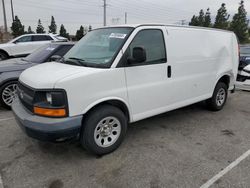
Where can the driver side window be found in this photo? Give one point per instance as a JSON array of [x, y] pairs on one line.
[[152, 41]]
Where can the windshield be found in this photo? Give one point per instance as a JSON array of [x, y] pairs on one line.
[[98, 48], [41, 54]]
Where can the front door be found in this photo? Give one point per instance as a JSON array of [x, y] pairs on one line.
[[146, 81], [23, 46]]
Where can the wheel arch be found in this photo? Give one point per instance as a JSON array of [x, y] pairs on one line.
[[7, 80], [226, 78], [4, 51], [117, 102]]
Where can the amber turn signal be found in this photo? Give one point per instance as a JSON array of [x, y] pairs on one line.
[[50, 112]]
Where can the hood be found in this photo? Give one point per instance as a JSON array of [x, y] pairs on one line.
[[46, 75], [4, 45], [16, 64]]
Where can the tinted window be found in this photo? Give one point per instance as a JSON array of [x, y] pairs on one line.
[[152, 41], [24, 39], [63, 50], [49, 37], [41, 38], [41, 55]]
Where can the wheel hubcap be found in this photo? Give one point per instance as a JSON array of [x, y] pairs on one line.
[[9, 94], [107, 131], [221, 96]]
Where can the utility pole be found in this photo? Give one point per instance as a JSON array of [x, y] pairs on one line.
[[126, 17], [12, 10], [104, 12], [4, 17]]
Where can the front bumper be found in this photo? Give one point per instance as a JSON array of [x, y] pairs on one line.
[[243, 85], [44, 128]]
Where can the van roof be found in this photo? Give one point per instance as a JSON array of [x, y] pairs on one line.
[[168, 25]]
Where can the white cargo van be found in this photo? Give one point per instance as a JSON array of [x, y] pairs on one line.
[[119, 75]]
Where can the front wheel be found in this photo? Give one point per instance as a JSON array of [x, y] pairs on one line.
[[103, 130], [219, 97], [3, 56], [8, 94]]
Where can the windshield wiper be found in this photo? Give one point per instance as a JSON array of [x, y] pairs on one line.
[[68, 61], [75, 58], [79, 62]]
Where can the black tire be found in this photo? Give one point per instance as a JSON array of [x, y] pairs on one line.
[[2, 88], [3, 56], [91, 125], [213, 103]]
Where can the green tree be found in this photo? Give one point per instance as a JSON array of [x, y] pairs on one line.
[[17, 27], [201, 18], [194, 21], [40, 28], [30, 30], [63, 32], [80, 33], [221, 20], [207, 20], [52, 27], [239, 24]]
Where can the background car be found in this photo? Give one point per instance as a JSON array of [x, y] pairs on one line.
[[244, 56], [243, 77], [26, 44], [12, 68]]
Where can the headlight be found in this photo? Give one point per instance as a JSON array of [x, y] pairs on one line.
[[51, 103]]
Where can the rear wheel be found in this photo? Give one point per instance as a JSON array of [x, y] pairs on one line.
[[3, 56], [103, 130], [8, 94], [219, 97]]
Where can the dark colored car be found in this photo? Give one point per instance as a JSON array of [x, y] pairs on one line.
[[244, 56], [11, 69]]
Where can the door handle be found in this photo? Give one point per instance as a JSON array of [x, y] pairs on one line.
[[169, 71]]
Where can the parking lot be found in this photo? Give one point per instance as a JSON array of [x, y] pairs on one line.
[[183, 148]]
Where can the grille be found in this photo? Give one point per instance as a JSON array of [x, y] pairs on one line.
[[26, 95]]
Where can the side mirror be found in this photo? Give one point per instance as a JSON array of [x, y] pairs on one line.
[[139, 55], [55, 58]]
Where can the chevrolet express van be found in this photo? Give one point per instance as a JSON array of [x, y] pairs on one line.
[[123, 74]]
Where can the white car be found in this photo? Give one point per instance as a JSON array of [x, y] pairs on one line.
[[243, 79], [26, 44], [119, 75]]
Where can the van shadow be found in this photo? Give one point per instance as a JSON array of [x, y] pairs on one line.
[[73, 148]]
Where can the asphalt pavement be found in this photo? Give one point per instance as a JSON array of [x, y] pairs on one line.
[[184, 148]]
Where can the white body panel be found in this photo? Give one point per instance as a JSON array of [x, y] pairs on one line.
[[198, 58]]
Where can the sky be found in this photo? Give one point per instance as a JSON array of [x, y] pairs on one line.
[[73, 13]]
